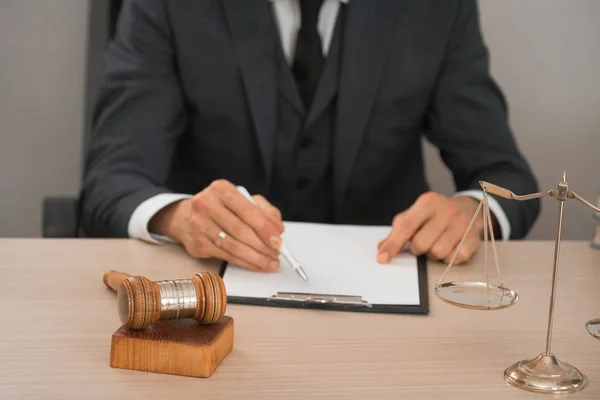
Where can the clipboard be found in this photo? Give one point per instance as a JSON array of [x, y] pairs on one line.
[[333, 302], [340, 261]]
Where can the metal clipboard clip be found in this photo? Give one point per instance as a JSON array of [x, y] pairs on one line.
[[321, 299]]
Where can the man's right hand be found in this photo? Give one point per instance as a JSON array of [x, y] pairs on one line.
[[253, 231]]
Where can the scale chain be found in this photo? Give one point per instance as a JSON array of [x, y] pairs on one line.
[[485, 245], [464, 238], [487, 226], [494, 248]]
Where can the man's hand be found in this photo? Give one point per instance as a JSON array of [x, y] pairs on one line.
[[253, 231], [434, 225]]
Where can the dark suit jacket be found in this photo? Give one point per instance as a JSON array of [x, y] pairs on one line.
[[190, 96]]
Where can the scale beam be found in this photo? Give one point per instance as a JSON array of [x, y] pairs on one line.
[[507, 194]]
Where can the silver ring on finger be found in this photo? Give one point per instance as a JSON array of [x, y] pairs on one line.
[[220, 238]]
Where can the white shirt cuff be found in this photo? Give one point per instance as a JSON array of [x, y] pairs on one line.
[[495, 209], [138, 223]]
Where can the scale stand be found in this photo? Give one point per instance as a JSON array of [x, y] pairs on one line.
[[544, 373]]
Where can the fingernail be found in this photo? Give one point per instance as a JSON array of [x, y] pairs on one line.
[[383, 258], [274, 265], [275, 241]]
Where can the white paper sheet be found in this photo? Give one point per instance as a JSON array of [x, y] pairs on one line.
[[338, 259]]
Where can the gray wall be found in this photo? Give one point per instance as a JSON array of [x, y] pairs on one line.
[[42, 74], [545, 55]]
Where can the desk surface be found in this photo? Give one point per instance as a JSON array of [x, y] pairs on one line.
[[57, 318]]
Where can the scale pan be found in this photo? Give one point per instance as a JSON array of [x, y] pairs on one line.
[[593, 328], [474, 295]]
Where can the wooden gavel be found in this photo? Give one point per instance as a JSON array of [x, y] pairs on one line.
[[142, 302]]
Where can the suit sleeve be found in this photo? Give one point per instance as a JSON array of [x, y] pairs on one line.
[[468, 123], [138, 119]]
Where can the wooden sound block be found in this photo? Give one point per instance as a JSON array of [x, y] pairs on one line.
[[177, 347]]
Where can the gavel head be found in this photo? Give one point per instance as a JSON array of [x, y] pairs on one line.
[[142, 302]]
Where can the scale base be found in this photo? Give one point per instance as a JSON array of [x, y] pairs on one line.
[[593, 328], [545, 374]]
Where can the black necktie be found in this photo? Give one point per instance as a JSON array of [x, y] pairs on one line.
[[309, 60]]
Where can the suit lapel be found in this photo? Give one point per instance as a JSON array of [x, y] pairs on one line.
[[364, 51], [253, 37]]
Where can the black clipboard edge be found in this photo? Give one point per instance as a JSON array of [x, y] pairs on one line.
[[422, 308]]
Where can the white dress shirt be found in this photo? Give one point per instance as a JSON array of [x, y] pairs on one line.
[[288, 18]]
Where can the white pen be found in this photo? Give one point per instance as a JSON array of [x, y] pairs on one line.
[[283, 249]]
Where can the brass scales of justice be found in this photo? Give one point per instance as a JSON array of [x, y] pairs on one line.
[[545, 373]]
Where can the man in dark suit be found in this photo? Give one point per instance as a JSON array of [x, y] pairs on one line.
[[318, 107]]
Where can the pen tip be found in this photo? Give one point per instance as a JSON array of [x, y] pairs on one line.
[[302, 274]]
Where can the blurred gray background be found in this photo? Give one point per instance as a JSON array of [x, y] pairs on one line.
[[545, 55]]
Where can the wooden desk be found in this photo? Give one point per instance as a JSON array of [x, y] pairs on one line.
[[56, 321]]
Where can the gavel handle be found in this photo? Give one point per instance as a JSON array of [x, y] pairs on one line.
[[112, 279]]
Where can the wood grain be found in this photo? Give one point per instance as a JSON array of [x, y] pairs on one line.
[[177, 347], [138, 300], [200, 297], [57, 320]]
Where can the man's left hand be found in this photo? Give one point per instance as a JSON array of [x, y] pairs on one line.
[[434, 225]]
